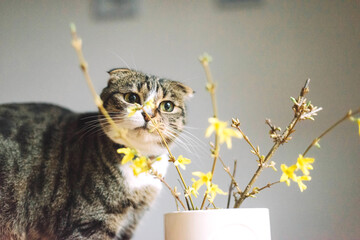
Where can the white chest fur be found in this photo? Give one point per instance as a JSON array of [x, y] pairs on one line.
[[144, 179]]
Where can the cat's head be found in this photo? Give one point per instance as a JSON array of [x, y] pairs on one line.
[[127, 87]]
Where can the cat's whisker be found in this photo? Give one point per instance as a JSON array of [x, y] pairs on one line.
[[192, 141], [90, 129], [81, 133], [133, 60], [178, 140], [91, 117], [122, 60], [61, 152], [192, 128], [183, 140], [96, 121], [191, 136]]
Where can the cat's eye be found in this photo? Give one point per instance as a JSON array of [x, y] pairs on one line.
[[167, 106], [132, 98]]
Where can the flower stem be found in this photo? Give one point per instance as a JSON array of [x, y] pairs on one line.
[[158, 176], [256, 151], [268, 185], [348, 115], [211, 89], [172, 158], [77, 44], [283, 139], [285, 135]]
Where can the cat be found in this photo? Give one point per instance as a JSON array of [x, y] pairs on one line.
[[60, 173]]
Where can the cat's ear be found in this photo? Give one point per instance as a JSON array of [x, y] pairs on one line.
[[188, 92], [121, 71], [118, 73]]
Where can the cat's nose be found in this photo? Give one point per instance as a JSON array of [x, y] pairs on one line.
[[146, 117]]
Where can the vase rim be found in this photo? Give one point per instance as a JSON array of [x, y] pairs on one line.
[[218, 210]]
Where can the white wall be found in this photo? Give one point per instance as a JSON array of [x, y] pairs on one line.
[[263, 52]]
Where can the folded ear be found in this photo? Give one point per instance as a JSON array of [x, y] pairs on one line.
[[188, 92], [119, 70], [118, 73]]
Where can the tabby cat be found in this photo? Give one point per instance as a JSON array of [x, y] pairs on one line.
[[60, 173]]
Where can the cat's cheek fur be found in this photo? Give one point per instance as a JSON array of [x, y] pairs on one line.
[[144, 179]]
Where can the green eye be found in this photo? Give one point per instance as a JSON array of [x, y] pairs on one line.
[[132, 98], [167, 106]]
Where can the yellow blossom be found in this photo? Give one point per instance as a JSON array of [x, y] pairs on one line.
[[222, 131], [213, 190], [140, 165], [181, 161], [288, 173], [203, 179], [226, 134], [299, 180], [150, 104], [133, 109], [304, 164], [215, 125], [157, 159], [129, 154], [358, 122]]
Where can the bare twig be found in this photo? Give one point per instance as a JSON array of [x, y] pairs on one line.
[[299, 110], [236, 124], [77, 44], [211, 88], [268, 185], [171, 156], [231, 183], [257, 190], [158, 176], [227, 170], [348, 115]]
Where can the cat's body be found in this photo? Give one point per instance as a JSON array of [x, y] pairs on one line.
[[58, 181]]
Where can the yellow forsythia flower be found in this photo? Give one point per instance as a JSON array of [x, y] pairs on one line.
[[215, 125], [288, 173], [203, 179], [150, 104], [222, 131], [299, 180], [140, 165], [181, 161], [129, 154], [304, 164], [226, 135], [132, 110], [213, 190]]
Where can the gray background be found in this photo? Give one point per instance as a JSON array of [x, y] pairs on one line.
[[263, 51]]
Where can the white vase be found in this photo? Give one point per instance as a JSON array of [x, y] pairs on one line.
[[219, 224]]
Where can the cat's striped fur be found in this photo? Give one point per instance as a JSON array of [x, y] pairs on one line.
[[58, 180]]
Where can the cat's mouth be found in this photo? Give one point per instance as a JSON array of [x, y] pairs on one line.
[[143, 127], [147, 126]]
